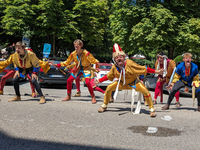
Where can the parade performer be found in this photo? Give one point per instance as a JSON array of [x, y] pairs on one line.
[[168, 65], [83, 60], [127, 73], [77, 80], [26, 62], [92, 81], [93, 77], [11, 73], [186, 75]]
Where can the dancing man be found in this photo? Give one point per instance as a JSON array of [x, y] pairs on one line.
[[127, 73], [168, 65], [186, 75], [11, 73], [83, 60], [26, 62]]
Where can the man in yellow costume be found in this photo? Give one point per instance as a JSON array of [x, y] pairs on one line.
[[127, 72], [83, 60], [25, 62]]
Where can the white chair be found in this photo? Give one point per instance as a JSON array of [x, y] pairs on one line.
[[138, 106]]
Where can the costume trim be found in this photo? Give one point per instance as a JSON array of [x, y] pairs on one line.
[[16, 69], [35, 70], [148, 95], [150, 70], [103, 79], [58, 65], [87, 53]]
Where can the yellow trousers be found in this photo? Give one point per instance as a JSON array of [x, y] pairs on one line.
[[138, 87]]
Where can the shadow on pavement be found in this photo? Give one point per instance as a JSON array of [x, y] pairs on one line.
[[12, 143]]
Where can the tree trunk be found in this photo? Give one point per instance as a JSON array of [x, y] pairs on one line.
[[171, 53], [54, 46]]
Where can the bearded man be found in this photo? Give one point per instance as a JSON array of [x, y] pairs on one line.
[[127, 73], [168, 65]]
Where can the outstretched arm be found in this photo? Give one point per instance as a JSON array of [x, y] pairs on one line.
[[150, 70]]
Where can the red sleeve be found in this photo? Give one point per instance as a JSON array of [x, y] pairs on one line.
[[58, 65], [150, 70], [103, 79]]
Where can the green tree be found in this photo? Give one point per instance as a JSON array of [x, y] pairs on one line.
[[90, 18], [48, 19], [153, 26]]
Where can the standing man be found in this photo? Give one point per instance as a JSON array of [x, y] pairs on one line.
[[26, 62], [127, 73], [168, 65], [83, 60], [186, 74]]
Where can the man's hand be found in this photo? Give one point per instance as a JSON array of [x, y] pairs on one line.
[[170, 86], [96, 81], [33, 76], [52, 64], [160, 72], [16, 74]]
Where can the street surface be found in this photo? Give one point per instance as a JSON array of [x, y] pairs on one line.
[[76, 124]]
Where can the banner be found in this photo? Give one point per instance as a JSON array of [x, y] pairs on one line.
[[46, 50]]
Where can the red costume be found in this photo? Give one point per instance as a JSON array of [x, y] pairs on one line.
[[168, 65]]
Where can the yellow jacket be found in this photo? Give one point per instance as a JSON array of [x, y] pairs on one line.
[[29, 60], [132, 70], [86, 60]]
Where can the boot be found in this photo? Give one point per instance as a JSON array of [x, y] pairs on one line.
[[78, 94], [42, 100], [94, 99], [16, 98], [165, 107], [153, 114], [102, 109], [67, 98], [198, 108], [111, 100], [1, 92]]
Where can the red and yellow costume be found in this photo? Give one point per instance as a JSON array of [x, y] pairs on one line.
[[4, 64], [162, 80], [82, 68]]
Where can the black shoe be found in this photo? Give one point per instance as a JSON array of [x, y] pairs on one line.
[[165, 107], [198, 108]]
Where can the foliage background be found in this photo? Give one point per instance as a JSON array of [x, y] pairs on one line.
[[138, 26]]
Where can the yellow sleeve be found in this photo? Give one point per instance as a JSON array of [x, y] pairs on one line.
[[111, 74], [94, 70], [5, 63], [35, 61], [136, 68], [176, 78], [91, 59], [44, 65], [71, 65], [196, 81], [69, 60], [170, 70]]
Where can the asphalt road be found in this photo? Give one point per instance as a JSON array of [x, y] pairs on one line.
[[76, 124]]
